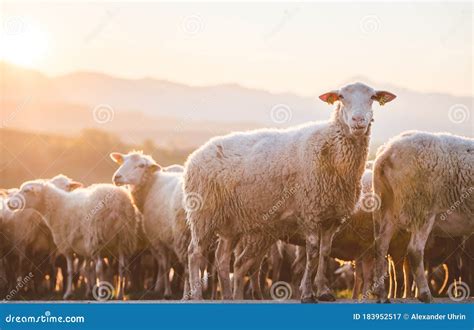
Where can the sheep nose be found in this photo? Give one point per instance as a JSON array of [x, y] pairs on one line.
[[117, 177], [359, 120]]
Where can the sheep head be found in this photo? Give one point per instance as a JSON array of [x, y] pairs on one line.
[[134, 169], [63, 182], [28, 196], [354, 102]]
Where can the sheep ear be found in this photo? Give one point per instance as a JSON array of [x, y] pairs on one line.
[[117, 157], [330, 97], [383, 97], [74, 185], [154, 167]]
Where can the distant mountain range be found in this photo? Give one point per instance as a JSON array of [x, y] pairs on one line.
[[177, 115]]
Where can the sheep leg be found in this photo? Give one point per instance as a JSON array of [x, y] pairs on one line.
[[327, 235], [306, 287], [367, 274], [383, 236], [223, 257], [358, 279], [122, 278], [70, 275], [416, 248], [166, 276], [186, 289], [99, 269], [277, 261], [249, 261], [90, 277], [255, 278], [196, 258], [241, 266]]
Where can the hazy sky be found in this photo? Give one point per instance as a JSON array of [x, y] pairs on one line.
[[302, 48]]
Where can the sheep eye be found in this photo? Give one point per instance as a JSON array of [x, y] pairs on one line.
[[340, 97], [141, 165]]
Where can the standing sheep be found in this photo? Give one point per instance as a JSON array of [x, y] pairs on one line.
[[240, 177], [91, 222], [425, 182], [158, 195]]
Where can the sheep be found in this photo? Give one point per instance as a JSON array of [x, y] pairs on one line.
[[158, 195], [317, 167], [91, 222], [173, 168], [426, 183], [31, 245], [65, 183]]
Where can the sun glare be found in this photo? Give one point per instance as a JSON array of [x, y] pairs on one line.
[[25, 48]]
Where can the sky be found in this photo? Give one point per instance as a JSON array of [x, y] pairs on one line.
[[280, 47]]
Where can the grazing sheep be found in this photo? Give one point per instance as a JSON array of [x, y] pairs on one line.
[[315, 168], [91, 222], [159, 197], [426, 183]]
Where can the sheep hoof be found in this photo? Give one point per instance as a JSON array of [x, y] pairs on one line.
[[168, 297], [309, 300], [326, 297], [383, 301], [425, 297]]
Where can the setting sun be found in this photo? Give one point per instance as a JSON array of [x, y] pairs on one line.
[[25, 47]]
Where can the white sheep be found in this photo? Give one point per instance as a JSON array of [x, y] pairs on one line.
[[158, 194], [30, 243], [92, 222], [174, 168], [242, 178], [426, 183]]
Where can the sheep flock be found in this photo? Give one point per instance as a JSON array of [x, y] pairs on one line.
[[296, 213]]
